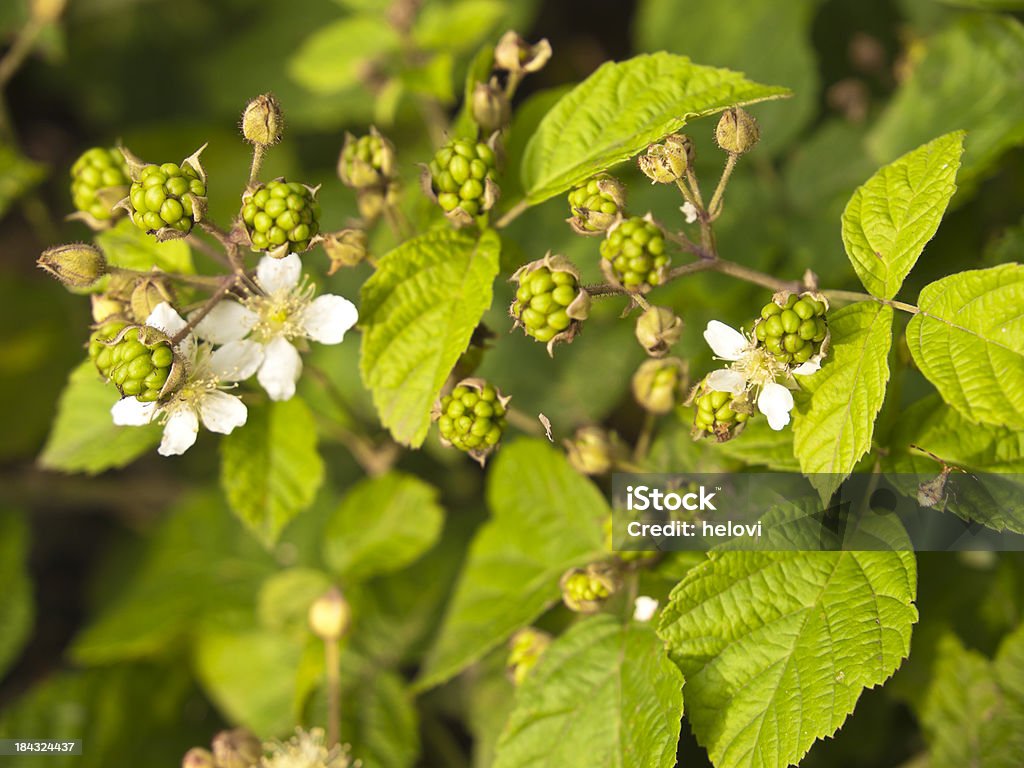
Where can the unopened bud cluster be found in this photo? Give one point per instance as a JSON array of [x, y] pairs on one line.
[[77, 265], [657, 329], [263, 121], [737, 131]]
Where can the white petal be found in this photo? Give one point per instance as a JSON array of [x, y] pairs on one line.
[[644, 608], [222, 412], [179, 432], [726, 380], [727, 343], [281, 368], [131, 412], [328, 317], [164, 318], [775, 402], [236, 361], [689, 211], [806, 369], [227, 321], [279, 274]]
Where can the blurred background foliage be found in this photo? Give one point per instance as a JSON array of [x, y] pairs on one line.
[[136, 612]]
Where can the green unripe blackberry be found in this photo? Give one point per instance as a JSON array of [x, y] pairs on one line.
[[794, 330], [138, 366], [472, 418], [633, 255], [716, 415], [585, 590], [461, 179], [549, 302], [99, 178], [596, 205], [658, 384], [168, 196], [281, 217], [367, 161]]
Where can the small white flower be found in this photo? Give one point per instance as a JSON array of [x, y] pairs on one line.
[[287, 313], [200, 397], [752, 367], [644, 608]]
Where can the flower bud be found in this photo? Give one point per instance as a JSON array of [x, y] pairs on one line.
[[345, 248], [490, 106], [197, 757], [737, 131], [657, 329], [47, 11], [665, 163], [329, 615], [585, 590], [236, 748], [592, 450], [263, 121], [515, 55], [77, 265], [657, 384], [149, 293], [525, 649]]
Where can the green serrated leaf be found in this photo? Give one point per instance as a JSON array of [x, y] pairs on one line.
[[968, 340], [128, 247], [382, 525], [546, 518], [973, 713], [897, 211], [985, 98], [760, 445], [835, 417], [776, 647], [18, 176], [270, 468], [418, 313], [17, 612], [604, 693], [620, 109], [84, 437], [334, 57]]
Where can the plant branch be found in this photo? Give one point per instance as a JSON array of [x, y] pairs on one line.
[[205, 248], [21, 48], [715, 206], [332, 661], [512, 214], [226, 284]]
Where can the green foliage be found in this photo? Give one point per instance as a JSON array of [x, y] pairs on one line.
[[83, 438], [17, 611], [373, 532], [619, 110], [777, 647], [129, 247], [271, 470], [18, 176], [832, 429], [332, 59], [897, 211], [965, 684], [545, 519], [419, 310], [968, 339], [603, 694]]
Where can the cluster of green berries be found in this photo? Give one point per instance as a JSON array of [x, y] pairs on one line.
[[633, 254], [98, 168], [136, 369], [472, 419], [165, 196], [459, 175], [585, 590], [366, 161], [525, 649], [715, 414], [281, 213], [792, 333], [541, 302], [596, 204]]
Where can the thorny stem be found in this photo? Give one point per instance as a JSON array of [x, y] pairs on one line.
[[205, 248], [259, 151], [857, 296], [643, 441], [332, 660], [715, 206], [226, 284]]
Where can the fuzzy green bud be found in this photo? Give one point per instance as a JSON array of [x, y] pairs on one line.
[[329, 615], [263, 121], [525, 649], [77, 265], [737, 131], [658, 384], [490, 106], [667, 162], [197, 757], [585, 590], [236, 748], [592, 450], [657, 329], [345, 248]]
